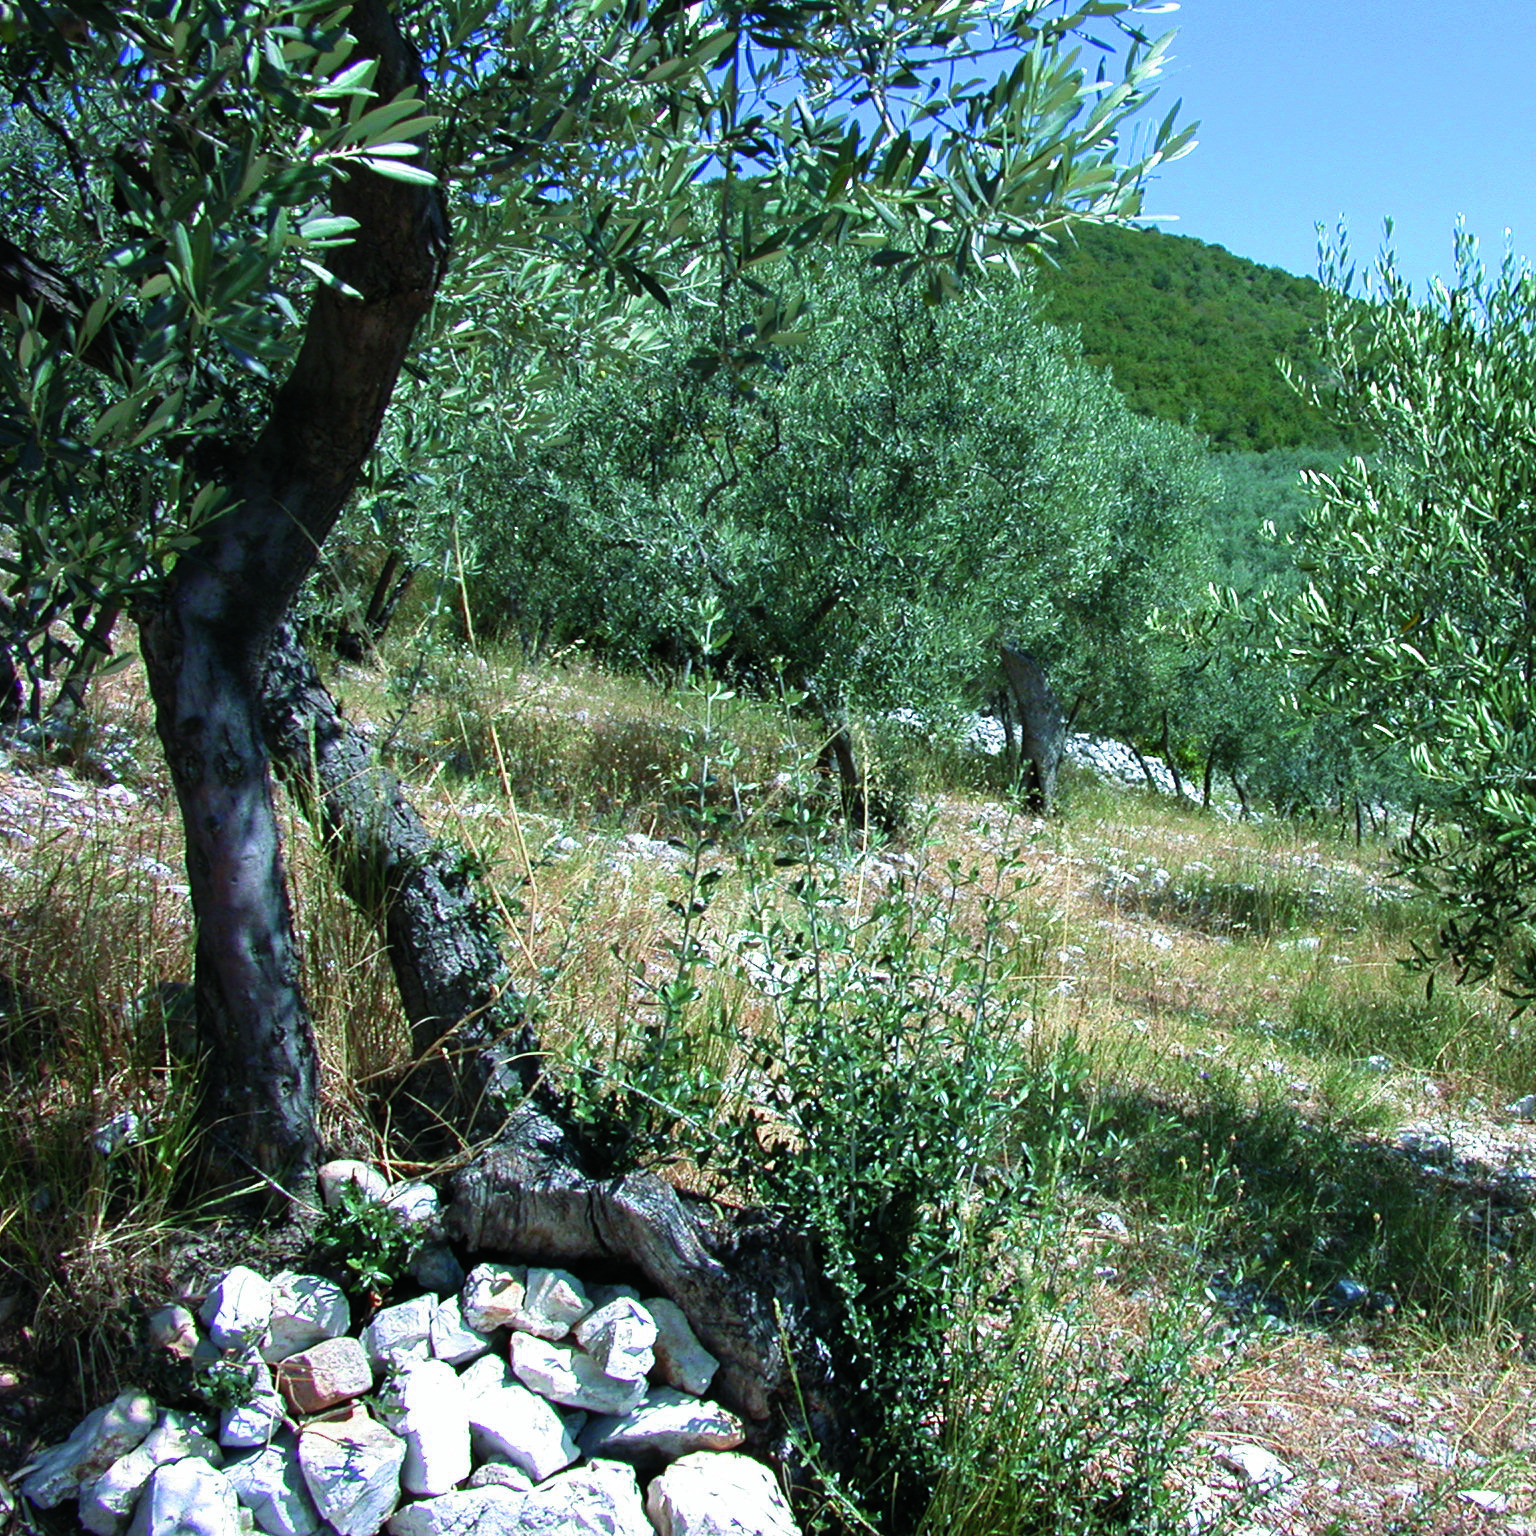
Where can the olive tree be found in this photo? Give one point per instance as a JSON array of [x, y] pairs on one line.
[[273, 184], [1420, 615]]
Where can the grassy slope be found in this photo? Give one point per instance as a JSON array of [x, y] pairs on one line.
[[1222, 986]]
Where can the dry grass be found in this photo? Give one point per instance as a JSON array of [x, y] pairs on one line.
[[1228, 985]]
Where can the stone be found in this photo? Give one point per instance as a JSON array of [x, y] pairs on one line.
[[106, 1504], [352, 1470], [100, 1439], [718, 1493], [306, 1310], [484, 1511], [238, 1310], [513, 1424], [620, 1337], [321, 1377], [174, 1330], [681, 1361], [1489, 1500], [601, 1498], [564, 1375], [554, 1302], [486, 1374], [493, 1296], [270, 1483], [416, 1203], [187, 1498], [335, 1176], [1256, 1466], [434, 1267], [669, 1424], [499, 1474], [254, 1421], [427, 1407], [452, 1339], [400, 1334], [1522, 1109]]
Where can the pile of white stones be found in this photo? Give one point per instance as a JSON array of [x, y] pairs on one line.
[[522, 1402]]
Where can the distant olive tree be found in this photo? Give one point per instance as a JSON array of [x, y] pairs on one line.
[[904, 487]]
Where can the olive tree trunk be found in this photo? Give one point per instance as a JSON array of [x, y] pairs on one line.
[[207, 636], [1042, 727], [476, 1054]]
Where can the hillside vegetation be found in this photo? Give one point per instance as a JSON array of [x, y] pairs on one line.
[[1191, 333]]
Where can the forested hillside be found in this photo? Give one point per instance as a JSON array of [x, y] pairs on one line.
[[1191, 332]]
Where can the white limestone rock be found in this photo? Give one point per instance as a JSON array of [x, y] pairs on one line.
[[238, 1310], [336, 1176], [667, 1425], [352, 1470], [416, 1203], [253, 1422], [106, 1504], [270, 1483], [566, 1376], [174, 1329], [486, 1375], [100, 1439], [681, 1361], [427, 1407], [306, 1310], [1255, 1465], [500, 1474], [620, 1337], [513, 1424], [452, 1339], [601, 1498], [489, 1511], [555, 1301], [718, 1493], [187, 1498], [493, 1296], [400, 1334]]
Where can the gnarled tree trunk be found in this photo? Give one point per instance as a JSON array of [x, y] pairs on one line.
[[207, 636], [1042, 728], [477, 1055]]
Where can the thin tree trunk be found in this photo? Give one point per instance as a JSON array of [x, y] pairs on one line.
[[477, 1054]]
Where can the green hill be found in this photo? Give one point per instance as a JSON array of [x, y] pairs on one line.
[[1192, 332]]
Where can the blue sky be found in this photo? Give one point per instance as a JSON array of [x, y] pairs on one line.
[[1309, 109]]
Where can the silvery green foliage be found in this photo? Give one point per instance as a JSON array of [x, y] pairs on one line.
[[1418, 619]]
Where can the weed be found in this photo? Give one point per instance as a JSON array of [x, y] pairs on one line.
[[371, 1241]]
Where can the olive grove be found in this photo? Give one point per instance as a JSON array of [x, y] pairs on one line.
[[228, 229]]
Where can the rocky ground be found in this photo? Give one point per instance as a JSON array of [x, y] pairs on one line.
[[1356, 1427]]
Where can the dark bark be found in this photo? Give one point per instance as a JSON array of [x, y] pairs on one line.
[[206, 637], [837, 753], [476, 1054], [57, 303], [1042, 729], [752, 1285]]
